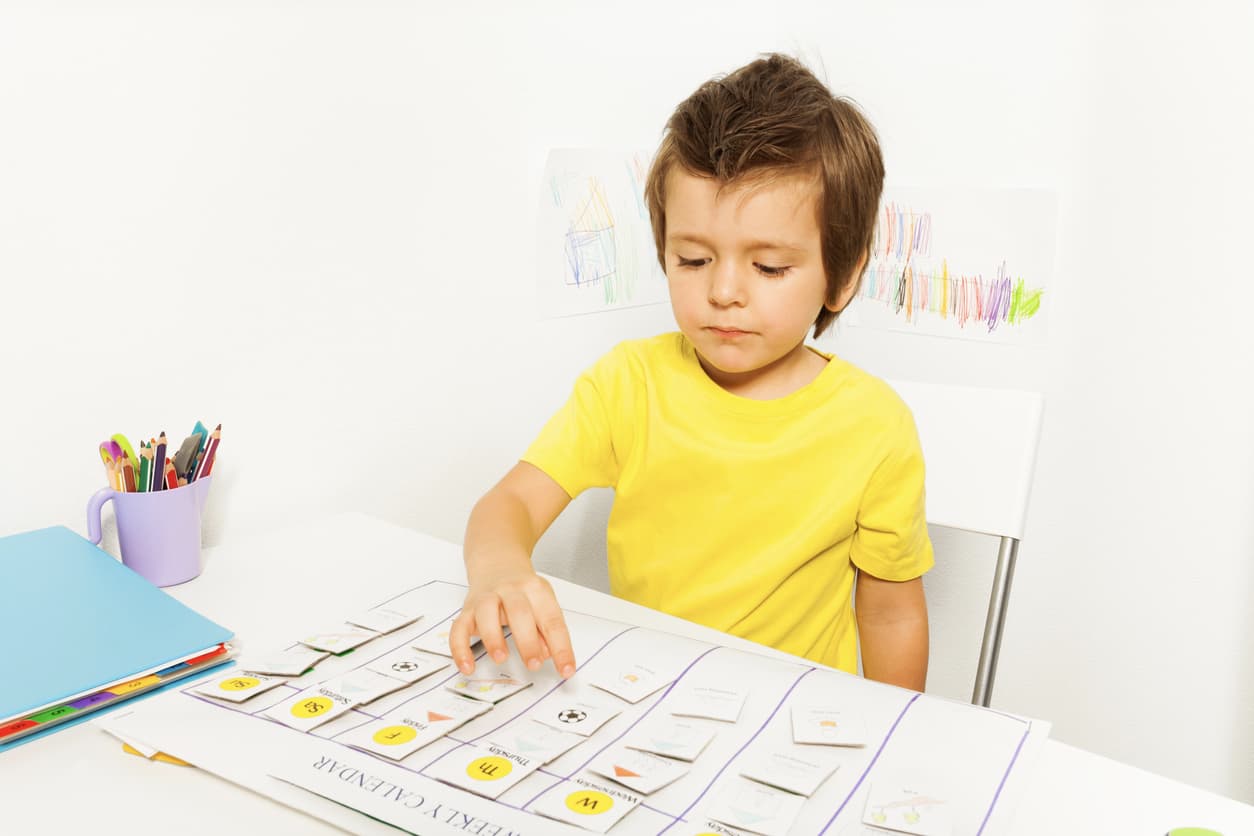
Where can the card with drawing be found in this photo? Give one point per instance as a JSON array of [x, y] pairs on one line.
[[672, 737], [630, 682], [293, 661], [384, 619], [636, 770], [535, 740], [714, 702], [238, 686], [798, 769], [310, 708], [914, 810], [588, 804], [578, 715], [408, 664], [751, 806], [487, 770], [338, 640], [827, 726]]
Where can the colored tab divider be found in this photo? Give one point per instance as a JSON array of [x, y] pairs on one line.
[[204, 657], [120, 690], [134, 685], [93, 700], [16, 726], [52, 714]]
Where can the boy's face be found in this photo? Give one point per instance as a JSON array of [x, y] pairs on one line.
[[746, 277]]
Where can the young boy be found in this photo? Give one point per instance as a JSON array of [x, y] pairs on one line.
[[755, 478]]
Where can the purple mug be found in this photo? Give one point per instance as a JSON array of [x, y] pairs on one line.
[[159, 531]]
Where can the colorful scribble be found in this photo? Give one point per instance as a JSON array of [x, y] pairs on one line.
[[903, 275]]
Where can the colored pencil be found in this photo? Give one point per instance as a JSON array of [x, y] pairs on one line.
[[111, 468], [145, 467], [128, 475], [160, 461], [171, 478], [105, 459], [211, 450]]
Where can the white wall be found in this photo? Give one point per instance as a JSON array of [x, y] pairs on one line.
[[314, 223]]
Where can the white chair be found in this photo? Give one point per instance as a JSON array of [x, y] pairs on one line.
[[979, 446]]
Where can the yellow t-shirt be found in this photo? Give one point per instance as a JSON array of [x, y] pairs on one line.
[[747, 516]]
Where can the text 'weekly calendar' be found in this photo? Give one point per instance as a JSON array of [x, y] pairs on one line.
[[655, 733]]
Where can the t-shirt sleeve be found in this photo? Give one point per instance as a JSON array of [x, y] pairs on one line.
[[891, 540], [576, 446]]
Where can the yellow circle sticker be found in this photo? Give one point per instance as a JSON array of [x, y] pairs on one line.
[[395, 735], [589, 802], [312, 707], [239, 683], [490, 768]]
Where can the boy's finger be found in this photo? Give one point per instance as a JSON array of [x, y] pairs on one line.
[[556, 636], [459, 642], [522, 627], [488, 620]]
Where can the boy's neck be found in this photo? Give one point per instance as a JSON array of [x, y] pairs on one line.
[[786, 375]]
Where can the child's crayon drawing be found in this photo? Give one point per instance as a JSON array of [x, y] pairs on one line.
[[967, 264], [595, 249]]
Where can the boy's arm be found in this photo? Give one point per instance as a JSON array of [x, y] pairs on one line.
[[892, 630], [504, 589]]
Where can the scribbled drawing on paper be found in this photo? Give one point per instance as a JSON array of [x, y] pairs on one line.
[[960, 263], [595, 250]]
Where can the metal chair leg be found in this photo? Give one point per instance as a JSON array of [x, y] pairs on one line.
[[998, 600]]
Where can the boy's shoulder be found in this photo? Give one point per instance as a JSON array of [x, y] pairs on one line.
[[636, 355], [869, 394]]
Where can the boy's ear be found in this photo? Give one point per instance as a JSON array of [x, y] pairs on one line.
[[846, 296]]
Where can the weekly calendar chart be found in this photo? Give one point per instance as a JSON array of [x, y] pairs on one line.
[[655, 733]]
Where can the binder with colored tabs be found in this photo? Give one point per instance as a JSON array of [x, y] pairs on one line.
[[83, 633]]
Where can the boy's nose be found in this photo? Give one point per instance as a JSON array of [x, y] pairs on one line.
[[726, 286]]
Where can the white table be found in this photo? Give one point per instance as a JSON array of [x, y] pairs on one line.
[[78, 780]]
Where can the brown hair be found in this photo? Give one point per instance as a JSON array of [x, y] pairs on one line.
[[770, 118]]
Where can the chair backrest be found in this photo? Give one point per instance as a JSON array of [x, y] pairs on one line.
[[979, 446]]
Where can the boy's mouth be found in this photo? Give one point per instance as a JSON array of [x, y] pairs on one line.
[[727, 333]]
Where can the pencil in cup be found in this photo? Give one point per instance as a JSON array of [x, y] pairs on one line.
[[211, 450]]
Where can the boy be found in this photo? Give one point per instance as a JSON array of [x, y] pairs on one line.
[[754, 477]]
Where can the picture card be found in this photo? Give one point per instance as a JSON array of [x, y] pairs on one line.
[[535, 740], [399, 735], [672, 737], [364, 685], [408, 664], [436, 641], [310, 708], [238, 686], [630, 682], [384, 619], [484, 770], [751, 806], [580, 715], [798, 769], [588, 804], [339, 640], [892, 806], [293, 661], [827, 726], [442, 710], [491, 682], [716, 703], [636, 770]]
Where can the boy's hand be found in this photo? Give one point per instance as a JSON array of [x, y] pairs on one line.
[[525, 601]]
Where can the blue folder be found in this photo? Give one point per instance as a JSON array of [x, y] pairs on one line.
[[73, 619]]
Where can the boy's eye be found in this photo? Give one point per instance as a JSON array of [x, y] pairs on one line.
[[692, 262], [774, 272]]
